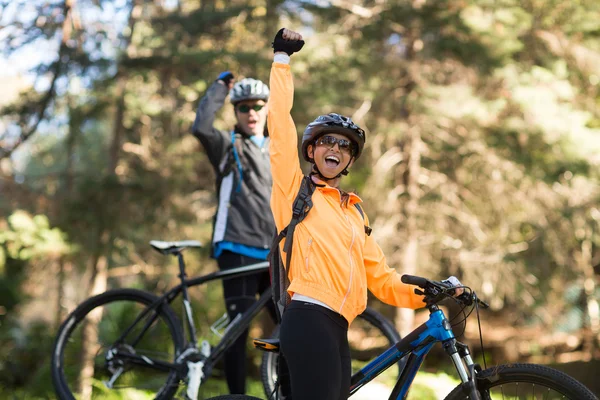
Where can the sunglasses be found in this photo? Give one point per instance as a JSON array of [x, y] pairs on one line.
[[345, 145], [245, 108]]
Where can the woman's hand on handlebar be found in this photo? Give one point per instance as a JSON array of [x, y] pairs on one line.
[[453, 281]]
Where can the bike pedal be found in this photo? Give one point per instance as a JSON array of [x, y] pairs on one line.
[[271, 345]]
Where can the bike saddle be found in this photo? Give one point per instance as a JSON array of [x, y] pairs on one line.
[[173, 247], [271, 345]]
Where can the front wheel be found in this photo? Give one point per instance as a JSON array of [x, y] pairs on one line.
[[524, 382], [89, 362], [369, 335]]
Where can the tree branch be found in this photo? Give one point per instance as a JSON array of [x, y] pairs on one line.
[[47, 98], [357, 9]]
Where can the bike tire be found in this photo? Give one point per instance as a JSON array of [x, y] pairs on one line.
[[509, 380], [371, 319], [234, 397], [94, 319]]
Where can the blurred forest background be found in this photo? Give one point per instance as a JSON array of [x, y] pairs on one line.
[[482, 158]]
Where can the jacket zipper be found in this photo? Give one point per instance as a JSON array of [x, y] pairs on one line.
[[351, 263], [310, 240]]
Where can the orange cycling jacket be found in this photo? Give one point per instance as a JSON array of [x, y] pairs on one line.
[[333, 260]]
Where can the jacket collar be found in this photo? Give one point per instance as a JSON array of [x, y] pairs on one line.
[[324, 187]]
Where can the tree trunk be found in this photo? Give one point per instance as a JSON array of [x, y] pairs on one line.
[[118, 127], [99, 279], [405, 317], [89, 339], [65, 197], [590, 342], [60, 292], [272, 18]]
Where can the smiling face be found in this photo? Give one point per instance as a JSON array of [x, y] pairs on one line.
[[330, 156], [251, 116]]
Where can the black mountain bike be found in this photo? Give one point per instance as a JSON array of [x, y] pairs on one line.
[[125, 341]]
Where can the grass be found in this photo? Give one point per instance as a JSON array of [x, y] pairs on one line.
[[428, 386], [425, 387]]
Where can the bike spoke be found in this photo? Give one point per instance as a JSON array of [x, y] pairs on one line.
[[522, 391], [94, 362]]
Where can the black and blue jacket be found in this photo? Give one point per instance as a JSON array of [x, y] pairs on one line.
[[243, 183]]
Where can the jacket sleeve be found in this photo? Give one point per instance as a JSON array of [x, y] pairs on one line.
[[285, 164], [384, 282], [215, 142]]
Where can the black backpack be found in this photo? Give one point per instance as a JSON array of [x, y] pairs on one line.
[[277, 269]]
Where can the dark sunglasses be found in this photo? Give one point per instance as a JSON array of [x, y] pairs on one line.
[[345, 145], [245, 108]]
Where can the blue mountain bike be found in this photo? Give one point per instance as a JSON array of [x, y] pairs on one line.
[[511, 381]]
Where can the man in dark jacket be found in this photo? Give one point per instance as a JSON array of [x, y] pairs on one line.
[[243, 226]]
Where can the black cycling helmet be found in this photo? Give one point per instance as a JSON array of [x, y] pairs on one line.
[[333, 123], [249, 89]]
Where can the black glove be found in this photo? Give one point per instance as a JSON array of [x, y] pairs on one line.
[[287, 46], [225, 77]]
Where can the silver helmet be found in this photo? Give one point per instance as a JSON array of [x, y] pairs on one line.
[[249, 89]]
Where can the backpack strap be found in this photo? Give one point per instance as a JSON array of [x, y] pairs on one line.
[[277, 268], [302, 205], [279, 276], [238, 162], [368, 229]]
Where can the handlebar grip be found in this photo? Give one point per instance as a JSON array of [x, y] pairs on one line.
[[414, 280]]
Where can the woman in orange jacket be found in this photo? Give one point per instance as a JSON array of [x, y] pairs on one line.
[[334, 261]]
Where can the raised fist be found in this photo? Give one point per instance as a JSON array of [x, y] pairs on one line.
[[227, 78], [287, 41]]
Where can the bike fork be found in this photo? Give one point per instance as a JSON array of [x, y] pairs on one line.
[[466, 368]]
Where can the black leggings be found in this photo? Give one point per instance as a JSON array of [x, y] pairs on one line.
[[240, 295], [314, 341]]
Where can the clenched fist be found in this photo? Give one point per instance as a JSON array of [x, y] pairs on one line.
[[226, 78], [287, 41]]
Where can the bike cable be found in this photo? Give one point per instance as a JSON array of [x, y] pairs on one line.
[[480, 334], [462, 306], [472, 295]]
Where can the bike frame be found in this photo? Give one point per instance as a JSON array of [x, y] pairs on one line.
[[416, 345], [235, 329]]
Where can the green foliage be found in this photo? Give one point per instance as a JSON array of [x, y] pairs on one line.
[[200, 21], [24, 357], [24, 240], [29, 237], [502, 99]]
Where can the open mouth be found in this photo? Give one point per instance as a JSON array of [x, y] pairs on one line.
[[332, 161]]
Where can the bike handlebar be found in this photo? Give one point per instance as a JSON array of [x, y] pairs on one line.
[[437, 290], [414, 280]]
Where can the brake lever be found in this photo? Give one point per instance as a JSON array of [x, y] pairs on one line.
[[433, 292], [482, 303], [465, 298]]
